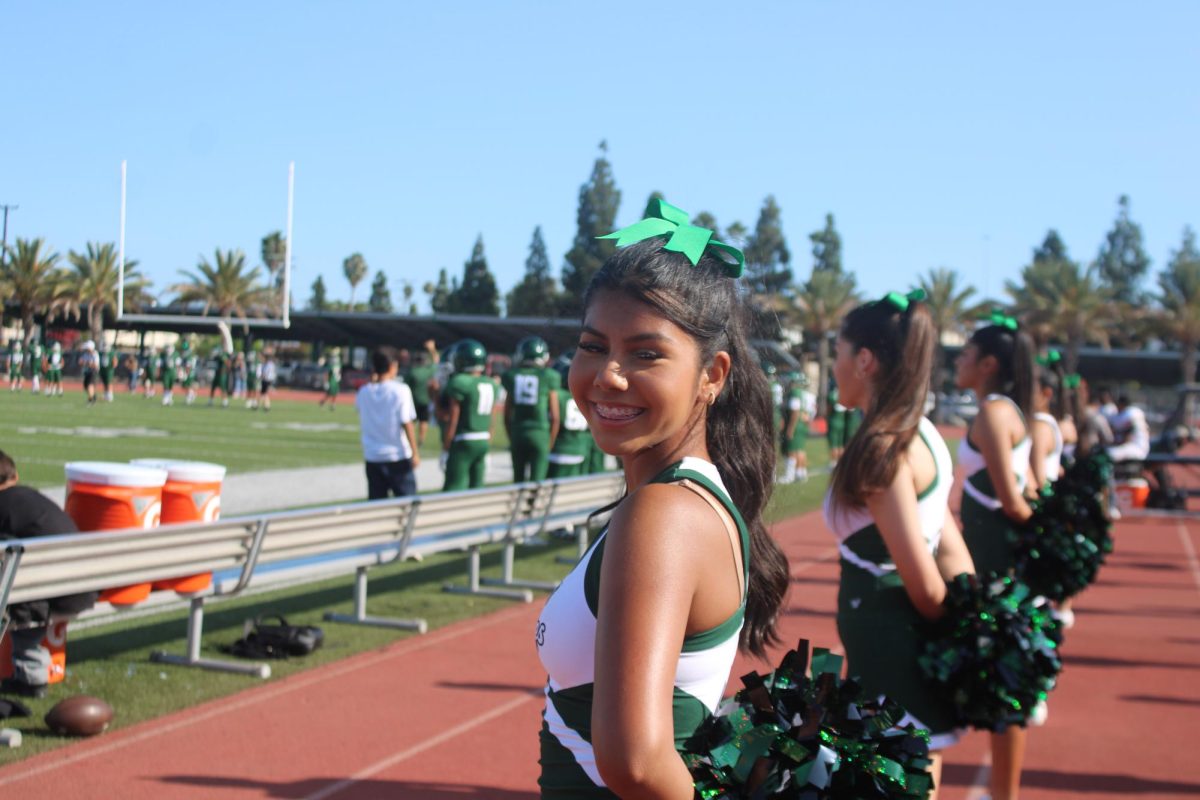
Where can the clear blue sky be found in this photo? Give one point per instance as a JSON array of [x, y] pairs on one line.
[[940, 133]]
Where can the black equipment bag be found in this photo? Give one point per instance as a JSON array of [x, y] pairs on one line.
[[279, 640]]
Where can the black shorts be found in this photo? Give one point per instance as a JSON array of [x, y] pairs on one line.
[[89, 379], [422, 412], [266, 386]]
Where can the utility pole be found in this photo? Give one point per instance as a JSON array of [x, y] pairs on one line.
[[4, 238]]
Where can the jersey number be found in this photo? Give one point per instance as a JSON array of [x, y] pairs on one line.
[[525, 390], [487, 398], [575, 420]]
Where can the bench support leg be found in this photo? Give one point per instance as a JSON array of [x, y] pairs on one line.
[[472, 586], [360, 617], [581, 546], [510, 551], [193, 659]]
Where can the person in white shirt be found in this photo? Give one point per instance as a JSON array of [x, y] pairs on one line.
[[386, 414], [1130, 431]]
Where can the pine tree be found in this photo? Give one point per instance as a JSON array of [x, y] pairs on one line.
[[318, 302], [599, 199], [477, 294], [536, 295], [439, 293], [767, 255], [827, 247], [706, 220], [381, 297], [1122, 259]]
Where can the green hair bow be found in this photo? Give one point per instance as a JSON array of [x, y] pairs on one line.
[[998, 317], [664, 219], [1071, 380], [902, 301], [1051, 357]]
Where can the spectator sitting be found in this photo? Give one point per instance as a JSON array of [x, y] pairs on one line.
[[1131, 433], [24, 514]]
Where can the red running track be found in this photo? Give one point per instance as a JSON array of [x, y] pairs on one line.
[[455, 713]]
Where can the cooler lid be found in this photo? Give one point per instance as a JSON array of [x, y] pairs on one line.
[[112, 473], [185, 471]]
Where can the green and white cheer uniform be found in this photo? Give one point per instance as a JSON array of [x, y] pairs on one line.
[[876, 621], [985, 527], [805, 403], [566, 642]]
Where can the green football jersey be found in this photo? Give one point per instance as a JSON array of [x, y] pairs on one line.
[[476, 396], [574, 438], [529, 391], [418, 378]]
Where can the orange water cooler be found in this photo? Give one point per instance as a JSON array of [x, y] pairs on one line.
[[192, 493], [103, 495]]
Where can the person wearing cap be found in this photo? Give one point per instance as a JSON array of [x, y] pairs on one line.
[[26, 513], [389, 441], [89, 363]]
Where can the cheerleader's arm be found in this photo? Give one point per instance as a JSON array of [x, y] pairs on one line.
[[896, 515], [953, 558]]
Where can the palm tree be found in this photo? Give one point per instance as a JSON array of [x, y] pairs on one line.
[[1180, 300], [1061, 301], [355, 268], [30, 276], [821, 303], [93, 283], [228, 286], [949, 309], [274, 252]]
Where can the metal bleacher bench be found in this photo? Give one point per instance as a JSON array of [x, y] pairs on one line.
[[297, 546]]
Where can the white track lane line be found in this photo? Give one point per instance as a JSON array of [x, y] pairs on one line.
[[404, 755], [979, 784]]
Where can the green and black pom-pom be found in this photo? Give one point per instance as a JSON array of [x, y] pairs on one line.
[[995, 650], [1060, 550], [788, 735]]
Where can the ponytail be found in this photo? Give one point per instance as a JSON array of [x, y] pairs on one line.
[[904, 344], [1014, 354]]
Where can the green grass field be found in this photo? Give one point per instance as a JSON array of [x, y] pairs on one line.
[[43, 433]]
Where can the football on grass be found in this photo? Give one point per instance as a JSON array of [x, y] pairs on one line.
[[81, 715]]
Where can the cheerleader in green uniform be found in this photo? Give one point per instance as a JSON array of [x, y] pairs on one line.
[[887, 506], [997, 364]]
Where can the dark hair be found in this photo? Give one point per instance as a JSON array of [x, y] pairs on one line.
[[1013, 351], [705, 302], [903, 343], [1051, 376], [8, 467], [382, 359]]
